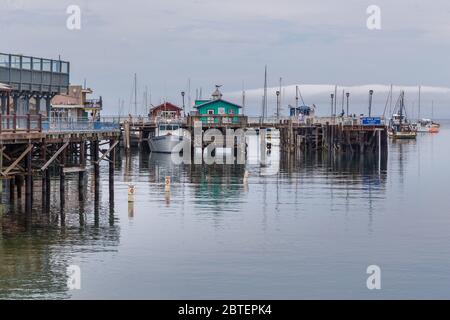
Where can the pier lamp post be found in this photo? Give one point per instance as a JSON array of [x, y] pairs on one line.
[[348, 96], [278, 104], [182, 96], [370, 102]]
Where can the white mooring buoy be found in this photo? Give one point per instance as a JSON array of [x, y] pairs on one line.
[[167, 183], [130, 193]]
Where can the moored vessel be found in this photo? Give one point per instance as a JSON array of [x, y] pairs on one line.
[[399, 125]]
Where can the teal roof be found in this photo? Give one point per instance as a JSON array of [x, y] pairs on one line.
[[208, 102]]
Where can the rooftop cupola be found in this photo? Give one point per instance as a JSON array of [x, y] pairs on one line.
[[217, 95]]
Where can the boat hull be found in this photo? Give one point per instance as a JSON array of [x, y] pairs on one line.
[[402, 135], [165, 144]]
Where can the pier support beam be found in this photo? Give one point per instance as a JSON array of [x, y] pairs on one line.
[[11, 189], [48, 103], [19, 183], [82, 173], [15, 98], [28, 183], [112, 163], [3, 102], [94, 156], [44, 177], [62, 186], [1, 169]]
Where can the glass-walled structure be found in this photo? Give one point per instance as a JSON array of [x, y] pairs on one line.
[[33, 74], [31, 80]]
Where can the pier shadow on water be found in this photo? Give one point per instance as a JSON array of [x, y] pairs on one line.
[[37, 247]]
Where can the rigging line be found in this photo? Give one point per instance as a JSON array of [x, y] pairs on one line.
[[387, 102], [301, 97]]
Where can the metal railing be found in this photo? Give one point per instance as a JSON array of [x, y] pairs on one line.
[[77, 125], [218, 120], [37, 123], [93, 103], [20, 123], [240, 120]]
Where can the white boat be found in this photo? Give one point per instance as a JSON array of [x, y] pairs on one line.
[[426, 126], [168, 138]]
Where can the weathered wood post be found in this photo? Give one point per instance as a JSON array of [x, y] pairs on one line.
[[19, 182], [1, 164], [82, 172], [47, 189], [28, 183], [11, 189], [44, 177], [62, 178], [112, 162], [96, 169]]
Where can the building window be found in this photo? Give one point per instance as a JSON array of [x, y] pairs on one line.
[[231, 111], [64, 67], [4, 60], [56, 66], [15, 62], [46, 65], [36, 64], [221, 110], [210, 111], [26, 63]]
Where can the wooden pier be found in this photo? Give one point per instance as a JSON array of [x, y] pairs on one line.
[[333, 134], [31, 148]]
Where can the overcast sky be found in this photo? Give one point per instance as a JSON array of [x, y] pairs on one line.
[[229, 42]]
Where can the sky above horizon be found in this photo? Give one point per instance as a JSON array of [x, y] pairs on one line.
[[229, 43]]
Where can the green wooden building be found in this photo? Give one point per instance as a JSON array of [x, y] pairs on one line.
[[216, 108]]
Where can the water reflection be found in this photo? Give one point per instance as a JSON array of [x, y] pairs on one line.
[[36, 249]]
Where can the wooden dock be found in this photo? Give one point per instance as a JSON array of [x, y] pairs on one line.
[[31, 147], [330, 134]]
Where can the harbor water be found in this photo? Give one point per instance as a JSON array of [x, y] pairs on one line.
[[307, 228]]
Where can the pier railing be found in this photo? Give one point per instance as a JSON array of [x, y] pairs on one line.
[[20, 123], [239, 120], [218, 120], [37, 123], [76, 125]]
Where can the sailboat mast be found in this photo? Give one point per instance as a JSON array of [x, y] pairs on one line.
[[264, 111], [243, 97], [189, 94], [402, 105], [390, 101], [281, 96], [135, 94], [432, 109], [418, 113], [335, 100]]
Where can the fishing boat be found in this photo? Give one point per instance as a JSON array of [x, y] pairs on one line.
[[399, 125], [427, 126], [167, 138]]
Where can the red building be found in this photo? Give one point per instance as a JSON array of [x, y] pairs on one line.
[[166, 110]]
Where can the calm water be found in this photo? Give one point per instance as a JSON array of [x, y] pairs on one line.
[[309, 231]]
